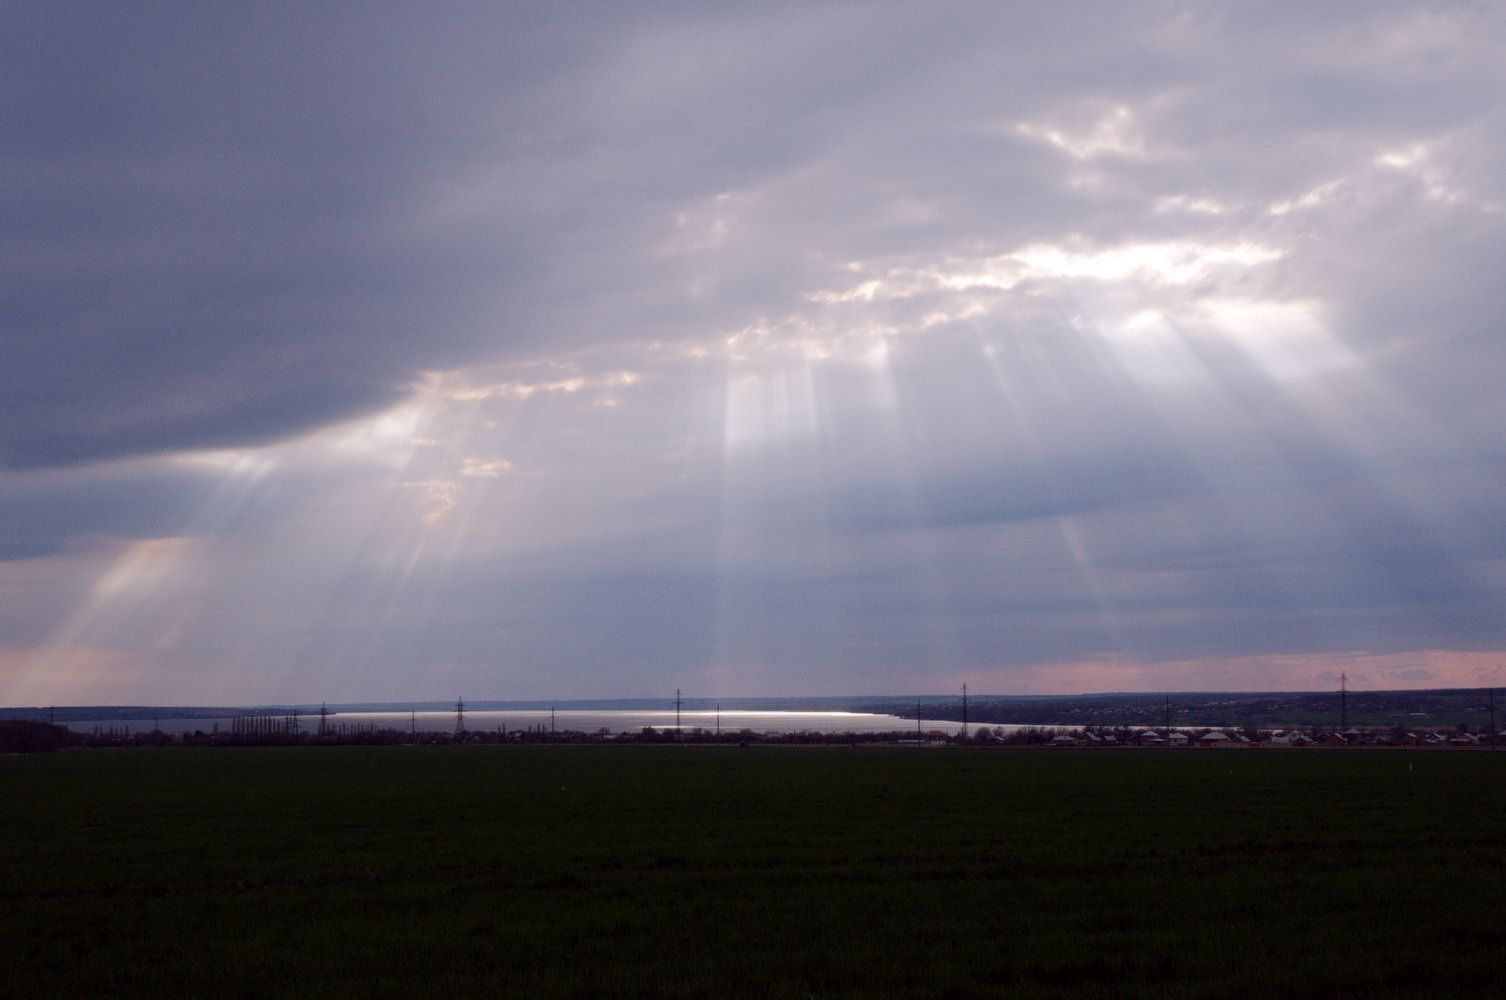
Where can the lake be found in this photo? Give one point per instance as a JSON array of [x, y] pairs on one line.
[[583, 721]]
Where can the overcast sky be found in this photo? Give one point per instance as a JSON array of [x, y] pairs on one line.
[[367, 351]]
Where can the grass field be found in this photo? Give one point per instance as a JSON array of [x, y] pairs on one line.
[[760, 872]]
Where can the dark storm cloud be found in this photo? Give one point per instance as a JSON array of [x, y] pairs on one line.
[[40, 513], [210, 217], [226, 225], [229, 225]]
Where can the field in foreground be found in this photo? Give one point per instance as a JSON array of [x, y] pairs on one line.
[[762, 872]]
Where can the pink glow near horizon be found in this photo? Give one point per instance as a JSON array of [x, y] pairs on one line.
[[1295, 672]]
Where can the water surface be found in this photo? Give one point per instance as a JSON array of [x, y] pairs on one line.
[[579, 721]]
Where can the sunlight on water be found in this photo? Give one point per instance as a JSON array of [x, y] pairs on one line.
[[577, 721]]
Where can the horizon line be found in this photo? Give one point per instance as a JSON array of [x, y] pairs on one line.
[[521, 703]]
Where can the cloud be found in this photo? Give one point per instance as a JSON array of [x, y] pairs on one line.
[[42, 514], [855, 340]]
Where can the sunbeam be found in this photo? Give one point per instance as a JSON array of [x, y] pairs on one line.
[[653, 350]]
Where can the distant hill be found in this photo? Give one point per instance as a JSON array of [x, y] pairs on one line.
[[1430, 708]]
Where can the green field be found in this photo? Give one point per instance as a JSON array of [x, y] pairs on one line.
[[760, 872]]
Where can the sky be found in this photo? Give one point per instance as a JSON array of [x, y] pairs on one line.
[[511, 350]]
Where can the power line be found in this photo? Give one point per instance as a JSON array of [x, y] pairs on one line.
[[1493, 719], [1343, 702]]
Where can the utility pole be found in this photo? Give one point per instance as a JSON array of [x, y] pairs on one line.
[[460, 717], [551, 720], [677, 713], [1492, 716], [918, 736], [964, 711], [719, 720], [1344, 703], [323, 718]]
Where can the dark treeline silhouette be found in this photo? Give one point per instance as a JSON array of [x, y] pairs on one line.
[[1336, 709], [274, 732], [28, 736]]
